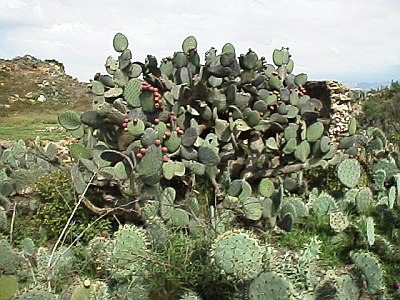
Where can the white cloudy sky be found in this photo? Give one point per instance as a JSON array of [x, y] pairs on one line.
[[346, 40]]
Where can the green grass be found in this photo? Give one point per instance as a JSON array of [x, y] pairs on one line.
[[29, 132], [27, 123], [333, 252]]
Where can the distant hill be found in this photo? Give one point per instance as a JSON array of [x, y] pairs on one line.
[[367, 86], [28, 80]]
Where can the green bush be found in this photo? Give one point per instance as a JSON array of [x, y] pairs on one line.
[[58, 200]]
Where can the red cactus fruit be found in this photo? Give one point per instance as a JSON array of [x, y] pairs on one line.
[[143, 150], [167, 134], [396, 285], [165, 159], [157, 142], [139, 155], [164, 149]]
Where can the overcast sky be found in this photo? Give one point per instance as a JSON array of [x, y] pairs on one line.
[[346, 40]]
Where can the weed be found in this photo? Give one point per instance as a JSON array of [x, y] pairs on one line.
[[188, 268]]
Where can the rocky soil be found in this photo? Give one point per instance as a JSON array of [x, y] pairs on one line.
[[28, 80]]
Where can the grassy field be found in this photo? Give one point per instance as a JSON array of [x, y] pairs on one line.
[[28, 121], [26, 118]]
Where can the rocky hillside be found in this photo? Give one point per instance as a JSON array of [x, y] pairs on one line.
[[27, 81]]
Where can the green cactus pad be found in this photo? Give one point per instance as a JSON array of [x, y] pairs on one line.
[[120, 78], [290, 146], [371, 269], [252, 208], [274, 82], [323, 205], [277, 57], [250, 60], [290, 66], [364, 201], [315, 132], [179, 218], [132, 91], [227, 59], [253, 118], [208, 156], [136, 128], [97, 88], [370, 230], [189, 137], [180, 60], [190, 43], [349, 172], [173, 142], [352, 126], [238, 254], [122, 170], [167, 68], [69, 120], [300, 206], [78, 151], [151, 162], [246, 190], [300, 79], [147, 101], [196, 167], [271, 286], [167, 203], [235, 188], [302, 151], [120, 42], [338, 221], [228, 48], [148, 137], [113, 92], [266, 187], [173, 168]]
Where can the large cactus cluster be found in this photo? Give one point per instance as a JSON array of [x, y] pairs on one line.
[[238, 120]]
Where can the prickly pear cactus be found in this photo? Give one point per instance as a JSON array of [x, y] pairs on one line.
[[349, 172], [269, 285], [239, 254], [178, 119], [371, 269], [130, 247]]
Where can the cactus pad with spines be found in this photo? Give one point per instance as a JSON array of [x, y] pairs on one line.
[[364, 201], [315, 131], [371, 269], [132, 91], [349, 172], [323, 205], [252, 208], [269, 285], [266, 187], [239, 254], [120, 42]]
